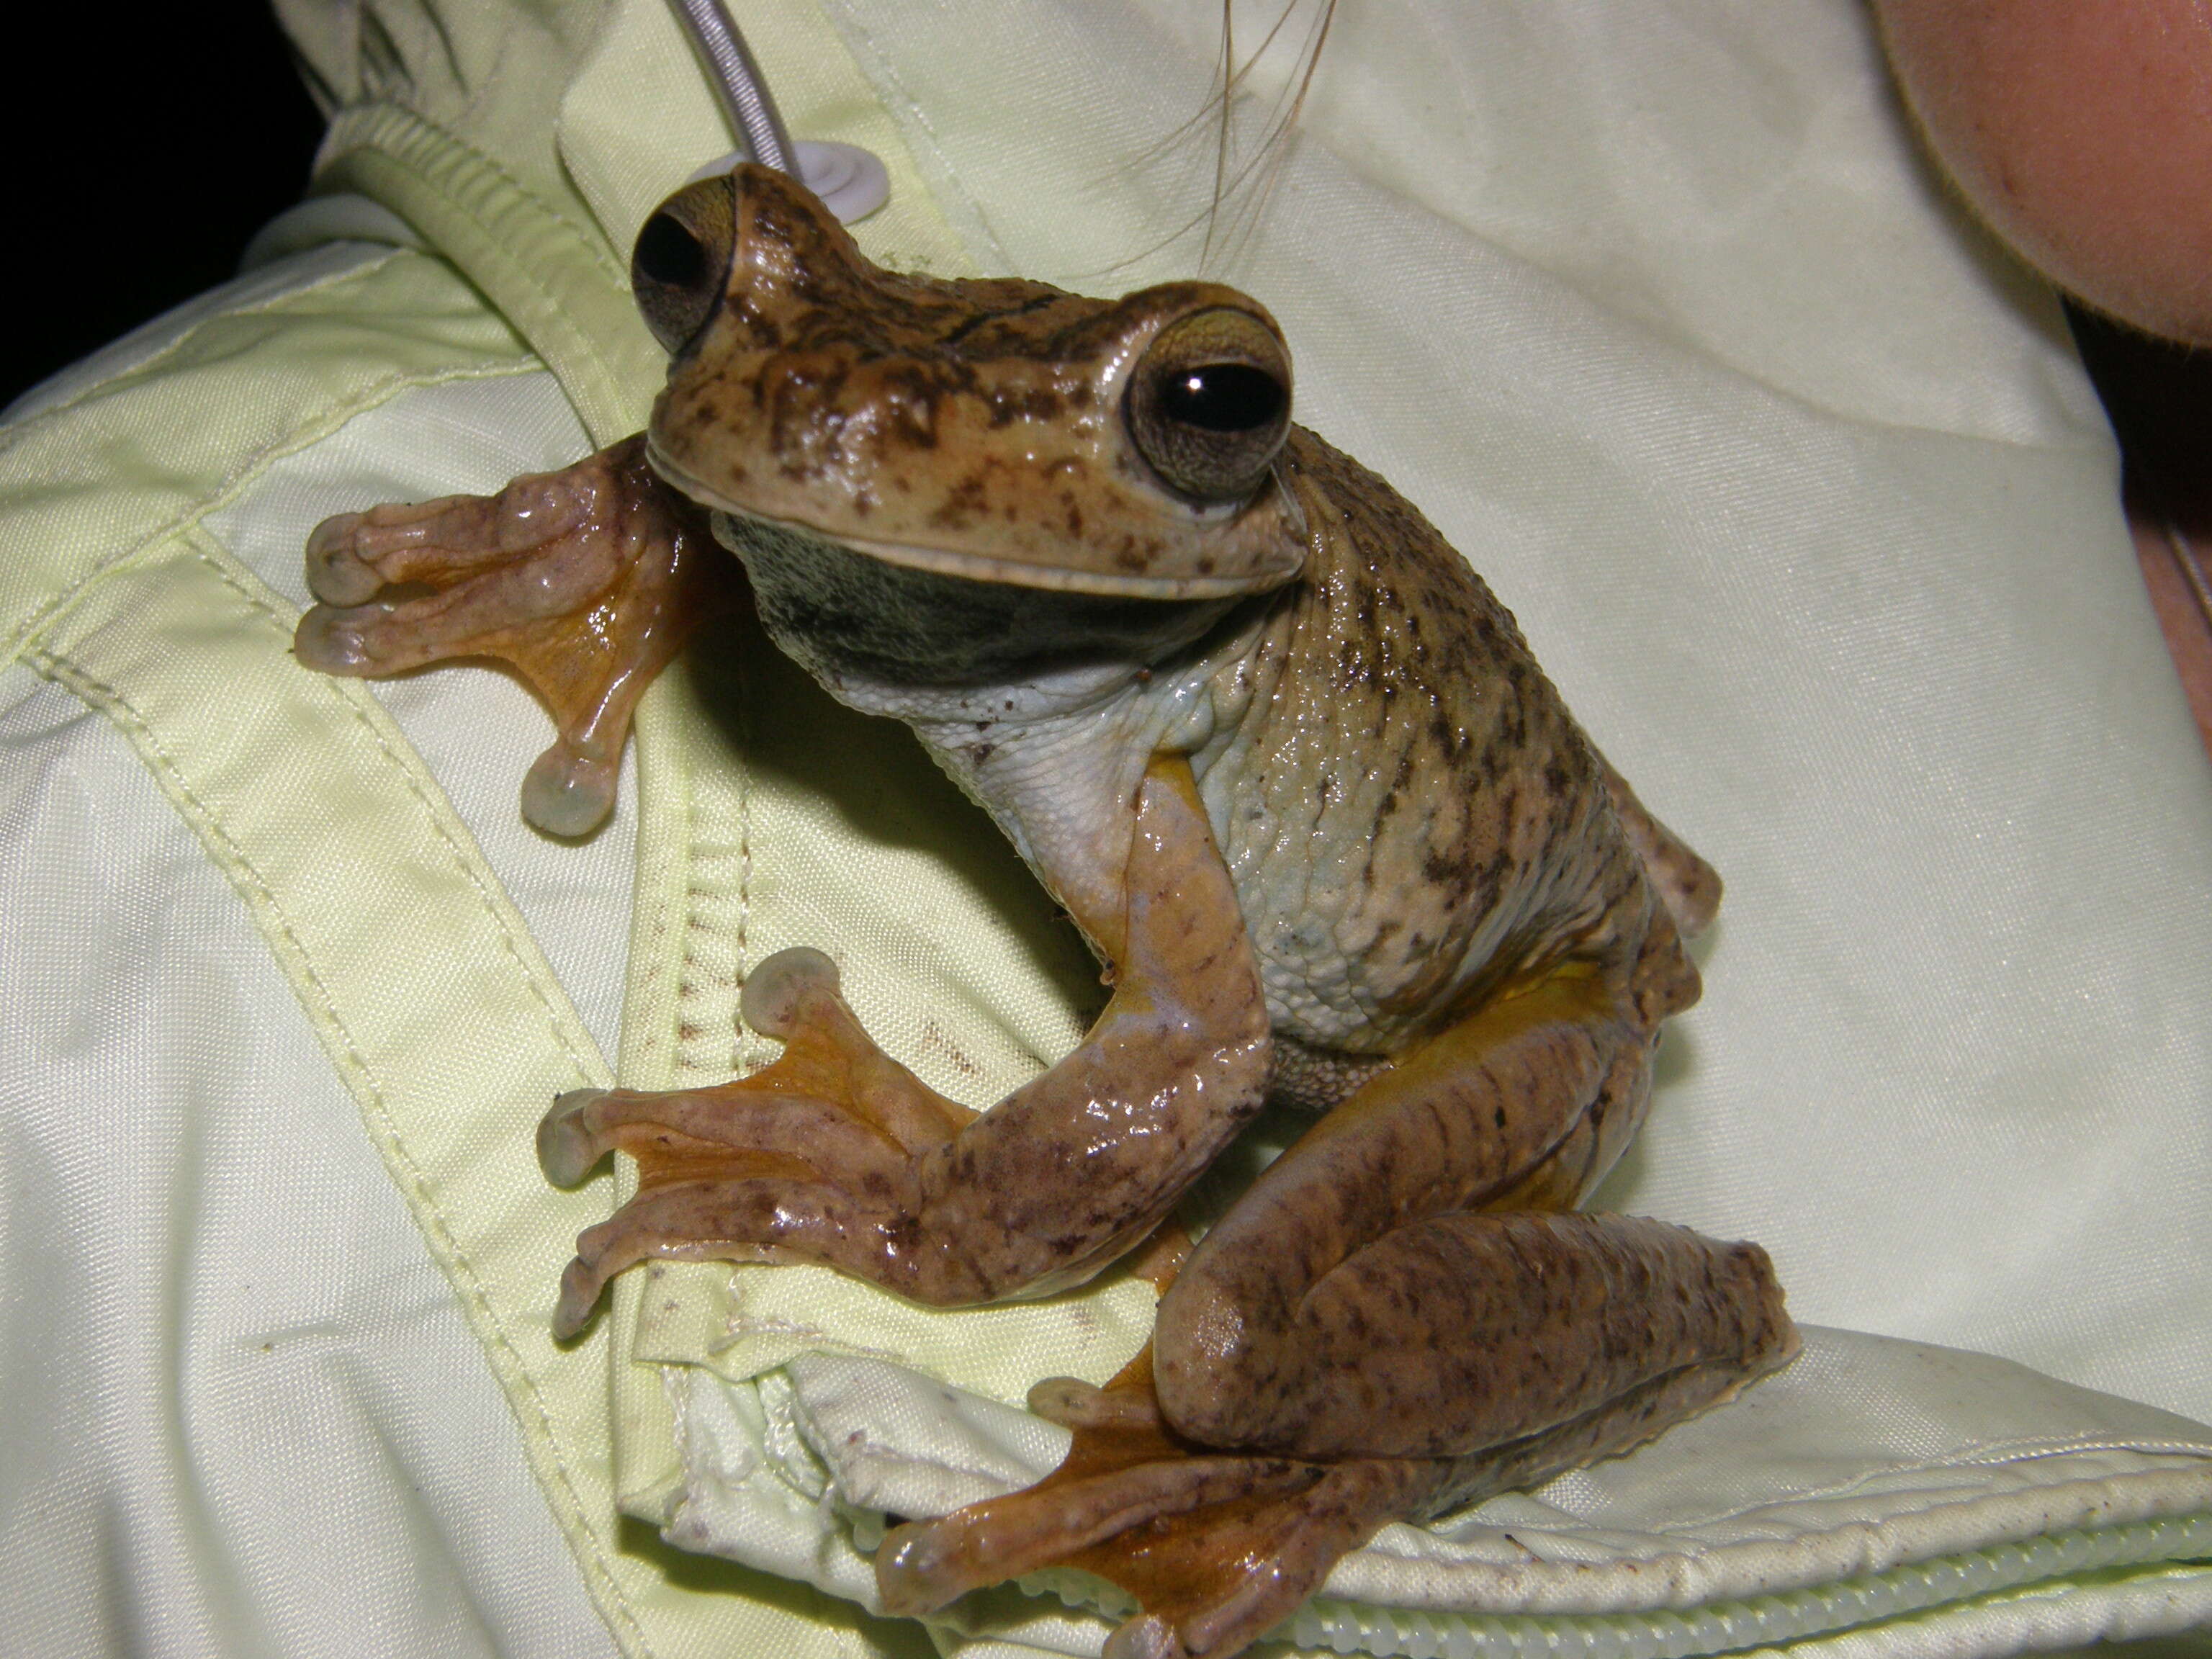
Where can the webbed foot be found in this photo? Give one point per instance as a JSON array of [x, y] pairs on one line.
[[839, 1155], [1218, 1547], [585, 581], [830, 1129]]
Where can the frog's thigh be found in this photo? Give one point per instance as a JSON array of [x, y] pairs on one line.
[[1364, 1300]]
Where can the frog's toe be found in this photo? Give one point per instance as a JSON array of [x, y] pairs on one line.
[[778, 993], [581, 1285], [924, 1564], [567, 1147], [382, 636], [337, 574], [329, 641], [1151, 1637], [1074, 1404], [570, 791], [602, 1253]]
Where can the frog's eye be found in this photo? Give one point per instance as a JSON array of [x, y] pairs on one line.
[[681, 260], [1210, 402]]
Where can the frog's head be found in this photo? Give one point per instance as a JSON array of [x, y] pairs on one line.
[[996, 430]]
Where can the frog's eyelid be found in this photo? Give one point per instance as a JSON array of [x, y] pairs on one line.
[[1211, 442], [681, 260]]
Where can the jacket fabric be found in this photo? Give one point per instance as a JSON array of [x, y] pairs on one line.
[[1795, 486]]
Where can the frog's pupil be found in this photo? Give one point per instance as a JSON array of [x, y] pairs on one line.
[[668, 253], [1222, 397]]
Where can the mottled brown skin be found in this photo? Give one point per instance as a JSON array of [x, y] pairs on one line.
[[1291, 767], [963, 424], [1393, 715]]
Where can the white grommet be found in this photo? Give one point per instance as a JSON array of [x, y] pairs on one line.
[[851, 181]]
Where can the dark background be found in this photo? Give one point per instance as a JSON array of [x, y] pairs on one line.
[[148, 142]]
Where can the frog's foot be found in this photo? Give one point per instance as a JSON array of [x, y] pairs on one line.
[[1218, 1547], [585, 581], [839, 1155], [717, 1165], [831, 1081]]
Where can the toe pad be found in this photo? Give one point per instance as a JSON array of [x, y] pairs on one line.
[[565, 1149], [780, 988]]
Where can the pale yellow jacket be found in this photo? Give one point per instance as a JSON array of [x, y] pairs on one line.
[[1795, 485]]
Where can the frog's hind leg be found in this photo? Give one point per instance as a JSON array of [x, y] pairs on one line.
[[1404, 1304], [585, 581]]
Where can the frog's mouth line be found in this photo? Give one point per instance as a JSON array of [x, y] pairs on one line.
[[980, 567]]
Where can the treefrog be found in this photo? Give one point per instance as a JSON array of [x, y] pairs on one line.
[[1291, 768]]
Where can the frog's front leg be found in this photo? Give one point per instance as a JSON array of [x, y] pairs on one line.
[[1401, 1315], [836, 1155], [587, 581]]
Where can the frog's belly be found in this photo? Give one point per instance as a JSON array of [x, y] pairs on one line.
[[1375, 892]]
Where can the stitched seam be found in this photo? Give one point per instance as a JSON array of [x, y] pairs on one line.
[[233, 858], [16, 431], [600, 257], [41, 618], [691, 926], [554, 308], [946, 178], [1849, 1488], [745, 785], [1925, 1466], [1694, 1553], [356, 701], [2012, 1590], [535, 303]]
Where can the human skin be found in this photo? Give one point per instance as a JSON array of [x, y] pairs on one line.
[[2081, 134]]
